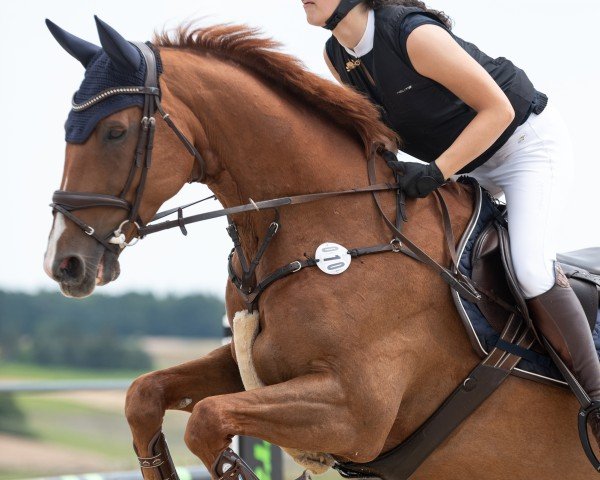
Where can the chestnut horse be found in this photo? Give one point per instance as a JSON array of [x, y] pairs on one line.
[[351, 364]]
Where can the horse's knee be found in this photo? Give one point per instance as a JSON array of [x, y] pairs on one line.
[[144, 400], [206, 421]]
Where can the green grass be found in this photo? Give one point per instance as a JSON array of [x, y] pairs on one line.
[[94, 429], [12, 475], [72, 424], [97, 429], [88, 429], [22, 371]]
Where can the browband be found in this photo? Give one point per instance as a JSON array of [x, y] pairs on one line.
[[78, 107], [340, 12]]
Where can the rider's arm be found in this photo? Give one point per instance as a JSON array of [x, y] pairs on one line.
[[435, 54]]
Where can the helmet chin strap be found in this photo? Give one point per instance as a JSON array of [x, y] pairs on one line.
[[340, 12]]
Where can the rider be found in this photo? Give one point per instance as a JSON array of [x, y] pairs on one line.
[[461, 111]]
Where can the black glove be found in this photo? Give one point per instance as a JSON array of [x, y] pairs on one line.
[[417, 179]]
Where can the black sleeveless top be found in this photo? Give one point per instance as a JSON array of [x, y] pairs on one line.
[[426, 115]]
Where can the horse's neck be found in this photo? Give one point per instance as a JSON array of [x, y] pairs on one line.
[[266, 144]]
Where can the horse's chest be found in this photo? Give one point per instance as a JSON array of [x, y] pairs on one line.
[[279, 359]]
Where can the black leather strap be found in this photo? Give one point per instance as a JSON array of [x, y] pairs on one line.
[[78, 200], [188, 145], [262, 205], [455, 279], [478, 386], [65, 202], [340, 12]]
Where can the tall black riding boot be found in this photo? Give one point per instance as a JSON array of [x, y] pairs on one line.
[[559, 316]]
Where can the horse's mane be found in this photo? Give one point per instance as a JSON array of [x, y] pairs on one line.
[[349, 109]]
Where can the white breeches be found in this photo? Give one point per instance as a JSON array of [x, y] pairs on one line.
[[534, 170]]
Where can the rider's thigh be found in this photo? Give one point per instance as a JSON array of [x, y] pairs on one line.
[[535, 177]]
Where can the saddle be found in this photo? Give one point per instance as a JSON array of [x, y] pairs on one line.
[[489, 273], [491, 270], [587, 258]]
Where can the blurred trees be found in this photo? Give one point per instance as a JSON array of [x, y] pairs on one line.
[[12, 418], [99, 331]]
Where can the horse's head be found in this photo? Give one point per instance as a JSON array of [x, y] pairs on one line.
[[108, 188]]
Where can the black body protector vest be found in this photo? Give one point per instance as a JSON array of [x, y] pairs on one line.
[[427, 116]]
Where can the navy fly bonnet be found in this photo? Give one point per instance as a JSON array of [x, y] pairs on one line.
[[117, 76], [107, 67], [100, 75]]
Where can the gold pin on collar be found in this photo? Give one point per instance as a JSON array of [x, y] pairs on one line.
[[352, 64]]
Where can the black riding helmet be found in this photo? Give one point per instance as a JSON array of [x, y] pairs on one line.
[[340, 12]]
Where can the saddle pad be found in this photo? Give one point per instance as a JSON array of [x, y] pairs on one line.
[[483, 337]]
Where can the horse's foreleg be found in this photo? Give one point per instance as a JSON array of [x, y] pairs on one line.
[[310, 413], [176, 388]]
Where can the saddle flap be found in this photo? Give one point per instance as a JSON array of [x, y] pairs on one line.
[[488, 274]]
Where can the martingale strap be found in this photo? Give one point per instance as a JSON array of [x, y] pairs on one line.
[[250, 291]]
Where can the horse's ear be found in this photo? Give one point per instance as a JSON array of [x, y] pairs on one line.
[[78, 48], [120, 51]]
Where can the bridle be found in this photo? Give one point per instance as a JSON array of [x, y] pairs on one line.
[[66, 202]]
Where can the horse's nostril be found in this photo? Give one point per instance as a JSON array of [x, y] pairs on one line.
[[70, 269]]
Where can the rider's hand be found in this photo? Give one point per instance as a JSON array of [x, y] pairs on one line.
[[417, 179]]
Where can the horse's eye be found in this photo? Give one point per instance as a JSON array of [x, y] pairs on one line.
[[116, 133]]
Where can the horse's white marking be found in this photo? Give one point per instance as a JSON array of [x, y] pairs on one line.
[[184, 403], [245, 330], [58, 229]]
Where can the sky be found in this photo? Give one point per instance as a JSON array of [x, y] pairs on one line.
[[556, 46]]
